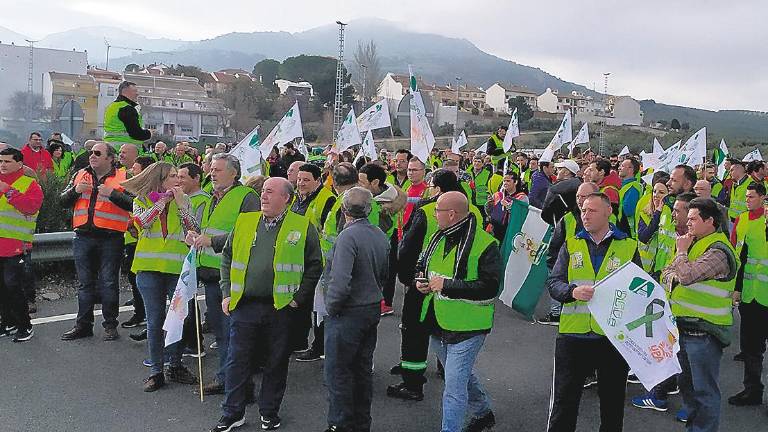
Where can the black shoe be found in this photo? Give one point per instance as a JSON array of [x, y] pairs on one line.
[[134, 321], [77, 333], [633, 379], [128, 303], [111, 334], [181, 375], [154, 382], [140, 336], [227, 424], [24, 335], [478, 424], [308, 356], [746, 398], [337, 429], [401, 391], [396, 370], [550, 319], [32, 307], [301, 350], [213, 388], [7, 331], [270, 423], [590, 381], [739, 357]]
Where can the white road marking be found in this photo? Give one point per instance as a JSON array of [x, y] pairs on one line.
[[71, 316]]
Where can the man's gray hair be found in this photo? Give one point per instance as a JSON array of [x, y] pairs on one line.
[[232, 161], [357, 202]]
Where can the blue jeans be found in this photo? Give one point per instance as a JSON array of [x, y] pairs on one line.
[[350, 340], [699, 382], [97, 262], [218, 322], [156, 288], [463, 391]]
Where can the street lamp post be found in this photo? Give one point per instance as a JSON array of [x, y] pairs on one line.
[[365, 98]]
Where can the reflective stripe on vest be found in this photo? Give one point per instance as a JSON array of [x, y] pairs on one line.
[[13, 223], [709, 300], [157, 253], [752, 233], [288, 262], [459, 314], [221, 221], [739, 198], [575, 317], [106, 214]]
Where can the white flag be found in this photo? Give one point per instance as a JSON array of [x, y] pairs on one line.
[[657, 148], [634, 313], [581, 138], [563, 135], [458, 143], [422, 139], [754, 155], [483, 148], [287, 129], [513, 131], [186, 288], [375, 117], [721, 154], [349, 134], [369, 147], [248, 152], [692, 153], [303, 149], [624, 151]]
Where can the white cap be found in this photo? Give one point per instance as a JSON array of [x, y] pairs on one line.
[[569, 164]]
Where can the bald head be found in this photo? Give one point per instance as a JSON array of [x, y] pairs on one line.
[[585, 189], [703, 189], [293, 172], [275, 196], [451, 208]]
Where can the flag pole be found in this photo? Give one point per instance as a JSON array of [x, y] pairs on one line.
[[199, 348]]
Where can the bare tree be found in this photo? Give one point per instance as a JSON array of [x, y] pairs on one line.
[[30, 106], [366, 64]]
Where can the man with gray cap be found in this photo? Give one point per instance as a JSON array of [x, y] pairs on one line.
[[357, 272]]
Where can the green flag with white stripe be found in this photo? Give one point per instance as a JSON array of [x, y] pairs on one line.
[[524, 253]]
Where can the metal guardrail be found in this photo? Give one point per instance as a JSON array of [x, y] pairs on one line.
[[52, 247]]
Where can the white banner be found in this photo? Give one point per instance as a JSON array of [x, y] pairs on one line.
[[692, 153], [422, 139], [754, 155], [624, 151], [349, 134], [634, 313], [186, 288], [248, 152], [286, 130], [458, 143], [513, 131], [375, 117], [563, 135]]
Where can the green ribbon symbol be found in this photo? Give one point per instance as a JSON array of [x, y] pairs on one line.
[[648, 318]]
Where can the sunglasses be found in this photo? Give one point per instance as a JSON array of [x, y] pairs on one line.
[[96, 153]]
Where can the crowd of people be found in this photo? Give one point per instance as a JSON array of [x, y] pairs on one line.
[[305, 259]]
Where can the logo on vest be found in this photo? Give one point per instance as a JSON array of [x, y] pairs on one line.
[[534, 251], [613, 264], [577, 260], [293, 237]]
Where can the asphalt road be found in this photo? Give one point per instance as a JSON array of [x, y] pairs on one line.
[[91, 385]]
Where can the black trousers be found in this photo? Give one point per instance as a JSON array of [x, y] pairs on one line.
[[14, 310], [350, 340], [753, 335], [389, 285], [257, 327], [138, 302], [318, 343], [414, 344], [575, 358], [302, 323], [30, 286]]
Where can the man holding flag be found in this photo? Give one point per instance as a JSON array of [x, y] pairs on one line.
[[581, 346]]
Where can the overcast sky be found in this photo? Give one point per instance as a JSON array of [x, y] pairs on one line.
[[701, 53]]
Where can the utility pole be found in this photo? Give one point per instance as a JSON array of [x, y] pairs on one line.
[[456, 126], [339, 83], [601, 146], [365, 99], [30, 74]]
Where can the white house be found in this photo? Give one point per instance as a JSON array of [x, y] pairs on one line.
[[286, 86], [626, 111], [497, 96], [548, 102]]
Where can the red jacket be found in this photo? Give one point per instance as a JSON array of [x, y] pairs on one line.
[[613, 180], [27, 203], [37, 160]]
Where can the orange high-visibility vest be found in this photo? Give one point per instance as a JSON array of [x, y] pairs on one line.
[[106, 214]]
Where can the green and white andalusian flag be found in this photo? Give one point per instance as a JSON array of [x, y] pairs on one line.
[[412, 86], [525, 253], [248, 152], [721, 154]]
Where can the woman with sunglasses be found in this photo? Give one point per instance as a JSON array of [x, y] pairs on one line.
[[162, 213]]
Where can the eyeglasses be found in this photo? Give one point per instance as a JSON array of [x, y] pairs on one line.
[[96, 153], [438, 210]]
